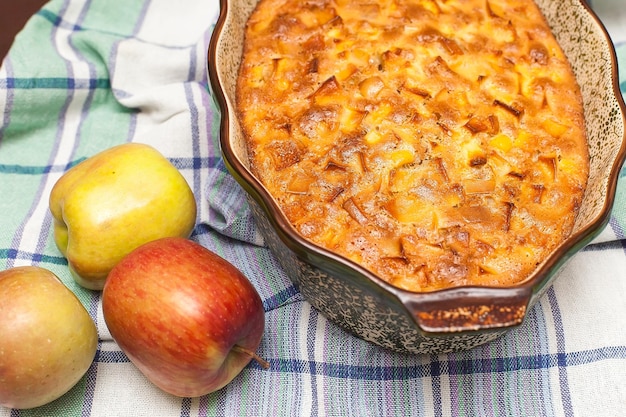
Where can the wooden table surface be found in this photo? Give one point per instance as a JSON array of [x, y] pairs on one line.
[[13, 17]]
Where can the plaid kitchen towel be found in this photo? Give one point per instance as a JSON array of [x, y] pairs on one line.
[[85, 75]]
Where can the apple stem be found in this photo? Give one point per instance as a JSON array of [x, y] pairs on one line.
[[264, 364]]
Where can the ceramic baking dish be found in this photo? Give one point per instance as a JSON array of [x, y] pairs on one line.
[[456, 318]]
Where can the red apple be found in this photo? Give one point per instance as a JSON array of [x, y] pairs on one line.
[[188, 319], [47, 338]]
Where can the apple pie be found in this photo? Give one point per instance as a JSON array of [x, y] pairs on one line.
[[435, 143]]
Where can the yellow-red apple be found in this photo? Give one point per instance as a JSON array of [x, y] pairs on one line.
[[47, 338], [188, 319], [115, 201]]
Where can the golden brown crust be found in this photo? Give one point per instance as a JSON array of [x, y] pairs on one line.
[[437, 143]]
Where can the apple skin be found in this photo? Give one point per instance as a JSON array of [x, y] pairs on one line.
[[183, 315], [113, 202], [48, 339]]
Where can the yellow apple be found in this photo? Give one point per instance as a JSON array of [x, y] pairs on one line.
[[112, 203], [48, 339]]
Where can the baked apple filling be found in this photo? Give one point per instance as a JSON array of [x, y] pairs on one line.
[[436, 143]]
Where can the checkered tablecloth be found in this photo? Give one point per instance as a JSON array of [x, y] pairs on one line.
[[85, 75]]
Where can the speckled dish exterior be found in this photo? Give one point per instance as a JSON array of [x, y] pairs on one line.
[[452, 319]]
